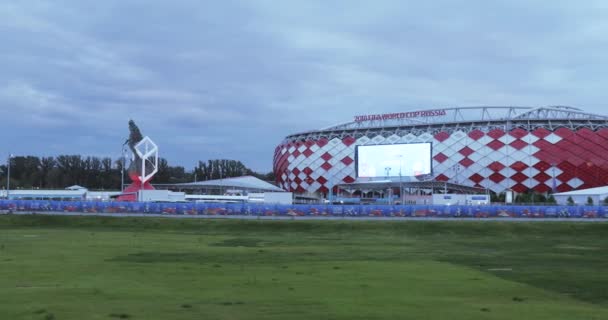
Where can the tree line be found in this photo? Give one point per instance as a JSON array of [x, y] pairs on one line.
[[104, 173]]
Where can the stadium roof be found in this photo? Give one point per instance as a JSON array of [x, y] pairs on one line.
[[584, 192], [463, 117], [244, 182]]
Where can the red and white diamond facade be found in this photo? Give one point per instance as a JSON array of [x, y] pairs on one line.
[[519, 148]]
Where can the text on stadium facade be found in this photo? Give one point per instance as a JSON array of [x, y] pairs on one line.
[[400, 115]]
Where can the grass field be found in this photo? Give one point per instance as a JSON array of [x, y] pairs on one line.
[[151, 268]]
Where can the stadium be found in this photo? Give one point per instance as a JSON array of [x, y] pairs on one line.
[[522, 149]]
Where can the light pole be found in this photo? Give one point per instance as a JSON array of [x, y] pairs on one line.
[[122, 169], [8, 175], [401, 179]]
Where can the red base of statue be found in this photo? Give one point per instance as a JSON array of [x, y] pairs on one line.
[[130, 193]]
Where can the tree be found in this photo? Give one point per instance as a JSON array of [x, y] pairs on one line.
[[589, 201], [570, 201], [551, 199]]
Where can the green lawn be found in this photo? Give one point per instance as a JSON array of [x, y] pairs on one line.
[[151, 268]]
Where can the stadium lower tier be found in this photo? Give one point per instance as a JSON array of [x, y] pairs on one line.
[[521, 160]]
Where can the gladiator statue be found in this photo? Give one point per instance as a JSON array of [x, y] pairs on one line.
[[143, 164]]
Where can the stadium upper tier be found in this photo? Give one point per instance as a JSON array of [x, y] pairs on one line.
[[520, 148]]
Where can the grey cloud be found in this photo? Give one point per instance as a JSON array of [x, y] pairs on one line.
[[232, 78]]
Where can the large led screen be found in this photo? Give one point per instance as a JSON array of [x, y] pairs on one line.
[[393, 160]]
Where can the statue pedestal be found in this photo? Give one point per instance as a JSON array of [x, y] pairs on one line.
[[130, 193]]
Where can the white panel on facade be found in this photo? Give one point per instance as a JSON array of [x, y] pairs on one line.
[[438, 147], [363, 140], [408, 138], [496, 156], [475, 156], [575, 183], [530, 183], [292, 149], [378, 139], [393, 139], [552, 138], [531, 149], [507, 172], [530, 138], [290, 158], [425, 137], [283, 150], [315, 174], [315, 186], [334, 141], [475, 146], [485, 172], [485, 140], [518, 156], [506, 139], [530, 172], [314, 148], [302, 148], [457, 135]]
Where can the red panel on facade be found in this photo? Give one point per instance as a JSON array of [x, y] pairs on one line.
[[564, 132], [496, 177], [542, 188], [321, 180], [587, 134], [518, 144], [307, 153], [477, 178], [542, 166], [348, 179], [296, 153], [542, 144], [297, 180], [496, 166], [566, 176], [348, 141], [519, 177], [347, 160], [476, 134], [326, 166], [542, 177], [603, 133], [518, 133], [296, 171], [519, 188], [564, 187], [466, 151], [442, 136], [442, 177], [496, 133], [307, 171], [495, 144], [326, 156], [322, 142], [440, 157], [519, 166], [541, 132], [323, 189], [466, 162]]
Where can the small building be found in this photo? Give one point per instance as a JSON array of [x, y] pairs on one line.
[[581, 197], [236, 189]]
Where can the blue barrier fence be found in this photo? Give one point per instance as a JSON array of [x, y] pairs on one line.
[[482, 211]]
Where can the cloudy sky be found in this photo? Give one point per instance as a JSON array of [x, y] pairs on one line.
[[230, 79]]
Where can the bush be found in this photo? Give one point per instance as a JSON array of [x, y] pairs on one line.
[[570, 201]]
